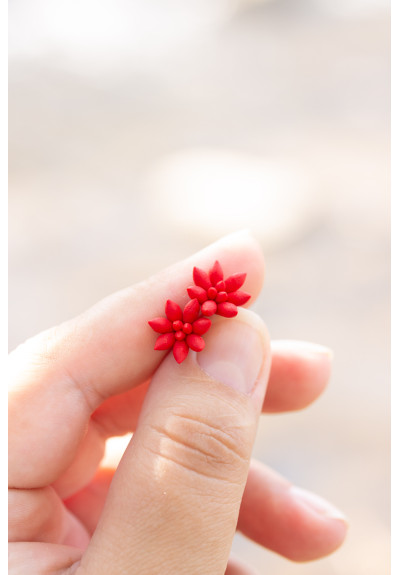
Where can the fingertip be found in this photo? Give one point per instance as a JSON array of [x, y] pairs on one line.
[[322, 524], [288, 520], [300, 372], [293, 347]]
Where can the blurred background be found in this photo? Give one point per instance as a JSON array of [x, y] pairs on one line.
[[142, 131]]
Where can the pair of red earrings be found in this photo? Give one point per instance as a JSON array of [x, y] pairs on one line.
[[182, 330]]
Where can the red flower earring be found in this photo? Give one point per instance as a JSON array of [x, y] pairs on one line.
[[181, 330], [216, 295]]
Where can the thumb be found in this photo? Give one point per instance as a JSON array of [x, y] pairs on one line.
[[175, 498]]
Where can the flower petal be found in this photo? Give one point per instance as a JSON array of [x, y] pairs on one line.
[[227, 309], [195, 342], [221, 297], [173, 311], [180, 351], [209, 307], [196, 292], [201, 325], [201, 279], [165, 341], [238, 297], [191, 311], [216, 273], [161, 324], [234, 282]]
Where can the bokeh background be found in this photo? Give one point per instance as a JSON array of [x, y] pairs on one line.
[[142, 131]]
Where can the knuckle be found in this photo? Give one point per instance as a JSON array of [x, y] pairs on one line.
[[215, 448]]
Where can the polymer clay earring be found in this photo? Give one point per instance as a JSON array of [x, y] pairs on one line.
[[182, 330], [216, 295]]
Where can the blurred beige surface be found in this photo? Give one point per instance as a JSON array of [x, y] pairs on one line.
[[106, 129]]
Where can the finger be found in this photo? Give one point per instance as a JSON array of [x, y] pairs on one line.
[[42, 558], [117, 415], [300, 372], [192, 444], [274, 513], [39, 515], [61, 376], [288, 520]]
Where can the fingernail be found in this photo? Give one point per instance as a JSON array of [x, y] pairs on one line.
[[303, 347], [317, 504], [233, 354]]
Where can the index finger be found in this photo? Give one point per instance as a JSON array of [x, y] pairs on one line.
[[62, 375]]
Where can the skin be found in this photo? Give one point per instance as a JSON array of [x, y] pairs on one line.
[[184, 484]]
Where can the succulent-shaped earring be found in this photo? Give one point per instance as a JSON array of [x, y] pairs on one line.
[[182, 330], [216, 295]]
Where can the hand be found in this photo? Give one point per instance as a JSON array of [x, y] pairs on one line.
[[185, 482]]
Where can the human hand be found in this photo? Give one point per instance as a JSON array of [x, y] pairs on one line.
[[186, 480]]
